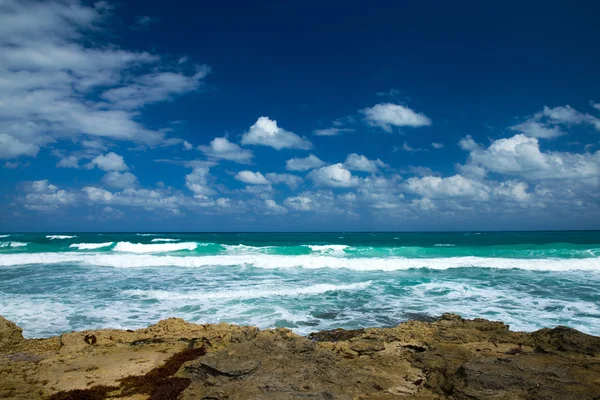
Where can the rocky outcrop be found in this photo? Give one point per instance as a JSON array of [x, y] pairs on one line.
[[449, 358], [10, 333]]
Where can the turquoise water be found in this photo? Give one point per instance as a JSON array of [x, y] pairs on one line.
[[52, 283]]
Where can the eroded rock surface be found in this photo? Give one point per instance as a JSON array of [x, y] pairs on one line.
[[449, 358]]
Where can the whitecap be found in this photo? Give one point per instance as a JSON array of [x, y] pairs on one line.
[[444, 245], [164, 240], [281, 261], [53, 237], [90, 246], [4, 236], [13, 244], [153, 248]]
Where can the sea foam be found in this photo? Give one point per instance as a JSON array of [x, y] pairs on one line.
[[90, 246], [164, 240], [153, 248], [54, 237], [244, 294], [279, 261], [12, 244]]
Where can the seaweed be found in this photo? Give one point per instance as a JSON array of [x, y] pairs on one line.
[[158, 382]]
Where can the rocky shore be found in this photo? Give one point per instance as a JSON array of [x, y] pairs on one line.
[[450, 358]]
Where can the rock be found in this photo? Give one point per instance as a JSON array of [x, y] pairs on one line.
[[368, 345], [232, 367], [562, 338], [10, 333], [451, 357]]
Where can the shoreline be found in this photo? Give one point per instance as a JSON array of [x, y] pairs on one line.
[[449, 358]]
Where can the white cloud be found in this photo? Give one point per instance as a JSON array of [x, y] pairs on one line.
[[333, 176], [109, 162], [43, 196], [68, 162], [331, 131], [455, 186], [522, 155], [273, 208], [11, 147], [388, 115], [304, 164], [437, 145], [467, 143], [155, 87], [265, 132], [187, 145], [52, 75], [253, 178], [548, 122], [197, 182], [538, 130], [355, 162], [224, 149], [120, 180], [595, 105], [299, 203], [406, 147], [292, 181]]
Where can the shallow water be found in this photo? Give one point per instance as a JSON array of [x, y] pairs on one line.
[[52, 283]]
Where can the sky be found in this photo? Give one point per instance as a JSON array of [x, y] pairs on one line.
[[299, 115]]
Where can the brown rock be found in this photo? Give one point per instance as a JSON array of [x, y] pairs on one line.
[[10, 333]]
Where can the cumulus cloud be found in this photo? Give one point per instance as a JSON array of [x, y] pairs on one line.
[[595, 105], [265, 132], [11, 147], [356, 162], [292, 181], [299, 203], [68, 162], [43, 196], [56, 82], [304, 164], [333, 176], [224, 149], [437, 145], [389, 115], [121, 180], [272, 208], [198, 182], [521, 155], [252, 178], [434, 187], [109, 162]]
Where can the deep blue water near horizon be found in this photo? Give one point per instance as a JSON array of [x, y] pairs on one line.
[[52, 283]]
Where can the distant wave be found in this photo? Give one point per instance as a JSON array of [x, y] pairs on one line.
[[164, 240], [244, 294], [278, 261], [4, 236], [90, 246], [326, 248], [13, 244], [153, 248], [53, 237], [444, 245]]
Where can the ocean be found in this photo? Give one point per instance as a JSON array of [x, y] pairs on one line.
[[52, 283]]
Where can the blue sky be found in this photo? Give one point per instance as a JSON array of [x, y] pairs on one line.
[[299, 115]]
